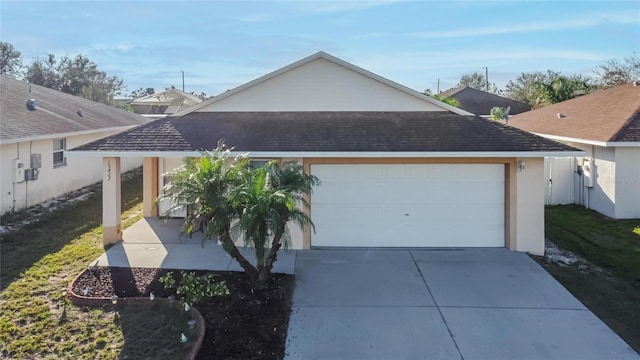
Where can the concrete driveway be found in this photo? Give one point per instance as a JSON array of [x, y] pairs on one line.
[[439, 304]]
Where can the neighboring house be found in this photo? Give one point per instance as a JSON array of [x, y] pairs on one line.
[[33, 142], [164, 103], [606, 125], [398, 168], [481, 102]]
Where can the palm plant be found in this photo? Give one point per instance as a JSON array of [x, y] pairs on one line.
[[229, 200], [204, 184], [269, 199]]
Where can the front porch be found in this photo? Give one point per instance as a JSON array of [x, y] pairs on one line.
[[156, 243]]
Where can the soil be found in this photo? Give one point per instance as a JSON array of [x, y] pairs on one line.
[[247, 324]]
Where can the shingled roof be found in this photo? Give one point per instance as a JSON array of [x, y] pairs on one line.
[[325, 132], [611, 115], [56, 113], [480, 102]]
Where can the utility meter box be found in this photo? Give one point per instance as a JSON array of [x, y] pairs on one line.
[[36, 161], [18, 170], [588, 172]]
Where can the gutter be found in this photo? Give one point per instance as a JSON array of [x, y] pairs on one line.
[[333, 154]]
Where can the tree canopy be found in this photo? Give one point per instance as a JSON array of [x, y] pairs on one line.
[[447, 100], [10, 60], [544, 88], [76, 76]]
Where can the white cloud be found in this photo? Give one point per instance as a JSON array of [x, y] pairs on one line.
[[586, 21]]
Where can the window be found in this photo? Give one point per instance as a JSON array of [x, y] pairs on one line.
[[59, 146]]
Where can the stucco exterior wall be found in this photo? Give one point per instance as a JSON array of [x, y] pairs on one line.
[[601, 197], [326, 87], [627, 183], [524, 203], [52, 181], [529, 202]]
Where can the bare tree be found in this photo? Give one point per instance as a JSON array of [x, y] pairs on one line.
[[77, 76], [477, 81], [10, 60], [617, 72]]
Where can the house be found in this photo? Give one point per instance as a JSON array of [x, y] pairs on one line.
[[37, 126], [164, 103], [481, 102], [398, 168], [606, 126]]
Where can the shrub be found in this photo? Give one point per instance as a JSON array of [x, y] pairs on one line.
[[194, 289]]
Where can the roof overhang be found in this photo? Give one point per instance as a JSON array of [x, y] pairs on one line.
[[64, 135], [592, 142], [330, 154]]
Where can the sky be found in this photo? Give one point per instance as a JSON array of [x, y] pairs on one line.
[[222, 44]]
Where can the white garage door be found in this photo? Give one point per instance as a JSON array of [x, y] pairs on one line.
[[433, 205]]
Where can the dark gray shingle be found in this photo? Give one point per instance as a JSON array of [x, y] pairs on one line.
[[326, 131]]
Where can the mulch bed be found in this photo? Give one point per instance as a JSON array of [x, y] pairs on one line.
[[248, 324]]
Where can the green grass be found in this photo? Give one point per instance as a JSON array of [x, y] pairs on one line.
[[611, 244], [38, 261], [611, 288]]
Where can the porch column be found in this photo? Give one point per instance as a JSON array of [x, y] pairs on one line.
[[149, 186], [111, 201]]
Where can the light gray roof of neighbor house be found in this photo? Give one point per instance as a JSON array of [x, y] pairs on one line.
[[167, 97], [480, 102], [56, 113]]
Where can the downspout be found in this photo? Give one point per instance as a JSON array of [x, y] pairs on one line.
[[593, 173], [26, 183], [13, 193]]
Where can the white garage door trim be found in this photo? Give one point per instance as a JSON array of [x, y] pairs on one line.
[[408, 205]]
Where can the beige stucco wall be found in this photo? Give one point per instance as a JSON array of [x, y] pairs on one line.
[[321, 86], [627, 182], [52, 182], [295, 232], [529, 206], [524, 200]]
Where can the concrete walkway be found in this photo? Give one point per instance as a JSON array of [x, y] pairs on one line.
[[439, 304], [155, 243]]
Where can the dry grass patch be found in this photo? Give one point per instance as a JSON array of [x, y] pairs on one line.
[[38, 260]]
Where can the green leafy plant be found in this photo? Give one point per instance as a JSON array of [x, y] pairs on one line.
[[194, 289], [497, 113], [168, 281]]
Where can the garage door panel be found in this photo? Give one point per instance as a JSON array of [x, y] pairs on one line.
[[440, 205], [478, 193], [393, 236]]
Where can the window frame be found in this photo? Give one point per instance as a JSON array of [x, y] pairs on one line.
[[60, 151]]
